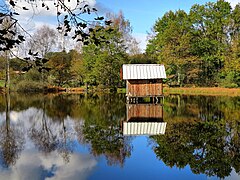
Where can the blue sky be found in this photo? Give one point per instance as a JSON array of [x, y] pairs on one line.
[[143, 14]]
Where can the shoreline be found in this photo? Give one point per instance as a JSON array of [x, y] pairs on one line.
[[207, 91]]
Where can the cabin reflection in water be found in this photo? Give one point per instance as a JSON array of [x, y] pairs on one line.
[[144, 119]]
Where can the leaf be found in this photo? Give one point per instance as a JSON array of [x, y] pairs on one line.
[[99, 18], [82, 25], [66, 22], [26, 68], [68, 29], [85, 43], [15, 13], [108, 22], [110, 30], [59, 28], [21, 38], [12, 32], [44, 60], [85, 35], [30, 52], [17, 42], [3, 32], [27, 58], [74, 37], [88, 10], [11, 2], [24, 8], [35, 54], [94, 9]]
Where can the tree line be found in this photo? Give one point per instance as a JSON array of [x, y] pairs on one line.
[[200, 47]]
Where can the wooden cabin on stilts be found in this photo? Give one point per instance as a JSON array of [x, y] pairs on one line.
[[143, 80]]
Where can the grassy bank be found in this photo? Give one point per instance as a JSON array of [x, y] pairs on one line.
[[209, 91], [215, 91], [187, 91]]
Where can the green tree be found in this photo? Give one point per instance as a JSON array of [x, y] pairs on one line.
[[77, 68], [171, 43], [102, 63], [141, 59], [231, 72], [60, 63], [196, 47], [210, 27]]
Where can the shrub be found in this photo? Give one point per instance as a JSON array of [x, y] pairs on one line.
[[229, 80], [231, 85], [30, 86], [33, 75]]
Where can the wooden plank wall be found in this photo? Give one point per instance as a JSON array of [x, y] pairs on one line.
[[144, 88], [144, 111]]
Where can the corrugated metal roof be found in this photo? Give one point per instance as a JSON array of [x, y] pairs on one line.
[[144, 71], [144, 128]]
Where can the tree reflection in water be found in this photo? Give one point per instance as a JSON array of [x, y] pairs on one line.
[[208, 142], [202, 132], [49, 132], [101, 128], [11, 138], [59, 119]]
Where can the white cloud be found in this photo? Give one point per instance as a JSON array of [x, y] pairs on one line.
[[233, 2], [35, 165]]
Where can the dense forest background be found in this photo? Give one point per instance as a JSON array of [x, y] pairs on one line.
[[198, 48]]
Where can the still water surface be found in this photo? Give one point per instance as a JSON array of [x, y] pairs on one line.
[[72, 136]]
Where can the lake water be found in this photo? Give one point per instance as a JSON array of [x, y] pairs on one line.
[[72, 136]]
